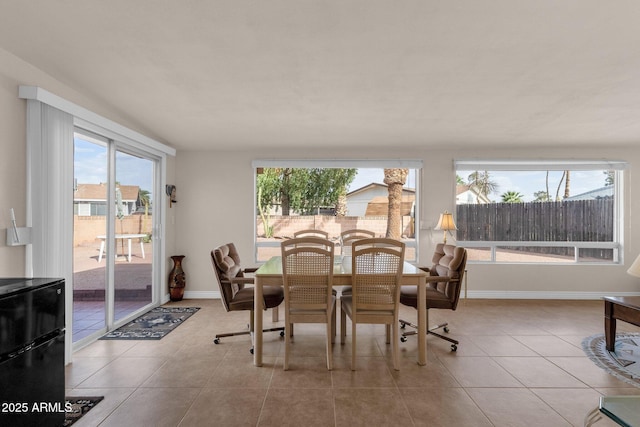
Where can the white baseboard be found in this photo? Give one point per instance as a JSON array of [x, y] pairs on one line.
[[558, 295], [202, 294]]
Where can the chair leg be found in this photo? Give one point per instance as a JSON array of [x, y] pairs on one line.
[[353, 345], [330, 339], [287, 343], [394, 346], [430, 331], [343, 326]]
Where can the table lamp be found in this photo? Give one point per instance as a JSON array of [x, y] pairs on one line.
[[634, 270], [446, 223]]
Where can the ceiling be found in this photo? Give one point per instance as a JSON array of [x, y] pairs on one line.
[[237, 74]]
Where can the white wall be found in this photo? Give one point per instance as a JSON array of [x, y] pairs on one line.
[[13, 73], [216, 207], [215, 201]]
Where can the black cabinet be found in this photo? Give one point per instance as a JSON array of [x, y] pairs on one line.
[[32, 328]]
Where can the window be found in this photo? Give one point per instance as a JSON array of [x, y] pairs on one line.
[[333, 196], [540, 211]]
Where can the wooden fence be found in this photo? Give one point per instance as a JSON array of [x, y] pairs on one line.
[[568, 221]]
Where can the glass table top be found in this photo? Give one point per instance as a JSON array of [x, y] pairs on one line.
[[625, 410]]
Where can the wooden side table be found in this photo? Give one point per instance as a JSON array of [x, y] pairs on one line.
[[626, 309]]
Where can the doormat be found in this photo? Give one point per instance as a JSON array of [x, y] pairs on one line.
[[623, 363], [79, 407], [153, 325]]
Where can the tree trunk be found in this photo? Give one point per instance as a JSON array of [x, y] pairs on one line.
[[567, 184], [395, 179], [341, 206]]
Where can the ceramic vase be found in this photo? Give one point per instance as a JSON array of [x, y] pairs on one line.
[[177, 280]]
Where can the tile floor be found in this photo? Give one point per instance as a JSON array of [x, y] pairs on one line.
[[519, 363]]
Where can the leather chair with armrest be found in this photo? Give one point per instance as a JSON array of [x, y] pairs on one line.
[[235, 295], [443, 288]]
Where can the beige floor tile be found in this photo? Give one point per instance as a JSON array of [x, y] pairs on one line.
[[587, 372], [82, 368], [515, 407], [432, 375], [371, 372], [443, 407], [538, 372], [549, 345], [158, 407], [572, 404], [300, 407], [304, 372], [479, 372], [368, 407], [225, 407], [239, 372], [501, 345], [113, 398], [124, 372], [518, 363], [183, 372]]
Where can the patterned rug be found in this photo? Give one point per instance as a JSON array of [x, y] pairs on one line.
[[623, 363], [153, 325], [79, 407]]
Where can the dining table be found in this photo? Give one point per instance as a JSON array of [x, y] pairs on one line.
[[270, 274]]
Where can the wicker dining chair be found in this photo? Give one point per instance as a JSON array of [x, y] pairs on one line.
[[307, 272], [348, 237], [376, 269], [311, 233]]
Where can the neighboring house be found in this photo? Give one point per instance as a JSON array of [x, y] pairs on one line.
[[371, 200], [467, 195], [91, 199], [598, 193]]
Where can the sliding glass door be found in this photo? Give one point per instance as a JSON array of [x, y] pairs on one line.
[[114, 268], [133, 224]]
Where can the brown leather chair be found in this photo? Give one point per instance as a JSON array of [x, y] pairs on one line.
[[443, 288], [235, 294]]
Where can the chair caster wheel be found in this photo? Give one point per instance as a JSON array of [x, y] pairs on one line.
[[454, 347], [251, 350], [216, 341], [403, 339], [446, 329]]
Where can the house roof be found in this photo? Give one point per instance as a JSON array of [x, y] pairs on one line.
[[377, 184], [99, 192], [379, 206], [598, 193]]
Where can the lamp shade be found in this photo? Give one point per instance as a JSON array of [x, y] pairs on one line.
[[446, 222], [634, 270]]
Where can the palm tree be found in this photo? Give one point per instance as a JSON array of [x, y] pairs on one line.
[[512, 197], [541, 196], [395, 179], [481, 182], [566, 177]]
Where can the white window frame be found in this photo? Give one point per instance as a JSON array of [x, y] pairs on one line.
[[339, 164], [554, 165], [50, 126]]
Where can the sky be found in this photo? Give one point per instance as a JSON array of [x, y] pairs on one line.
[[529, 182], [90, 166]]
